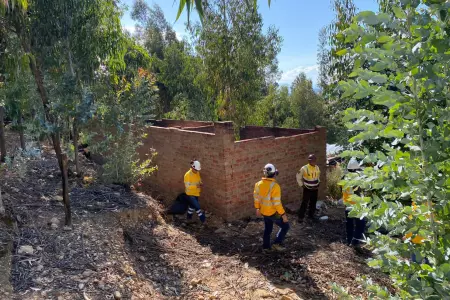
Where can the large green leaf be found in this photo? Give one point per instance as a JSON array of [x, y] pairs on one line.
[[342, 52], [181, 8], [368, 17]]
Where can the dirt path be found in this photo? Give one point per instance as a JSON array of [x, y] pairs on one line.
[[121, 247]]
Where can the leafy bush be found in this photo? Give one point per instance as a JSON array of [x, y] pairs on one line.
[[402, 75], [123, 164], [334, 176]]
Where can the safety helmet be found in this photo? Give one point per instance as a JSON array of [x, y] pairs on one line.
[[353, 165], [196, 165], [270, 170]]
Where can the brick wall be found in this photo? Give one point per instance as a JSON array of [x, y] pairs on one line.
[[288, 154], [210, 129], [252, 132], [176, 148], [179, 123], [230, 169]]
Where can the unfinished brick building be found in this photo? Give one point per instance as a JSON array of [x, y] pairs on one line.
[[230, 168]]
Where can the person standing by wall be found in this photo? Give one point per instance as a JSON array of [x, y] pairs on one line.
[[267, 201], [193, 184], [309, 178]]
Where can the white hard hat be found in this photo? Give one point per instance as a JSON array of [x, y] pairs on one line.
[[269, 170], [353, 164], [196, 165]]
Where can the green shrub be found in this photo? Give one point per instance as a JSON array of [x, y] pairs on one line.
[[123, 164], [334, 175]]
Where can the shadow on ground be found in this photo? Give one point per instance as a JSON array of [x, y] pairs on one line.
[[314, 256], [289, 269]]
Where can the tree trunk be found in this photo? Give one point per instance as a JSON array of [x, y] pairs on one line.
[[37, 74], [2, 135], [75, 147], [2, 208], [63, 166], [66, 199], [21, 131]]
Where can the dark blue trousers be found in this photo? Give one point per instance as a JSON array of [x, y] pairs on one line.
[[194, 206], [268, 228], [355, 229]]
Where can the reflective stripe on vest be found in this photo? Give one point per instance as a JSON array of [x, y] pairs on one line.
[[267, 201], [310, 183]]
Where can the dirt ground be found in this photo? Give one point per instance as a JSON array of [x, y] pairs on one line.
[[122, 246]]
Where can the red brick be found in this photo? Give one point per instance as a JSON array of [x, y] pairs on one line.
[[230, 169]]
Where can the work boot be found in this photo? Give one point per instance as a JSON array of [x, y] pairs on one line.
[[267, 251], [278, 248], [202, 218], [189, 219]]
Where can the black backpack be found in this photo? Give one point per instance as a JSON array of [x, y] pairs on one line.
[[179, 206]]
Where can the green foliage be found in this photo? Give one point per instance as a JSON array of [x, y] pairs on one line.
[[272, 110], [300, 108], [402, 71], [123, 164], [198, 5], [335, 64], [126, 99], [182, 73], [306, 105], [239, 59], [334, 176]]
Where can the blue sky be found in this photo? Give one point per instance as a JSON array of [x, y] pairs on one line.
[[298, 21]]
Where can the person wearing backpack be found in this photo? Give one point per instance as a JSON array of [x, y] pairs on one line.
[[193, 185], [267, 202]]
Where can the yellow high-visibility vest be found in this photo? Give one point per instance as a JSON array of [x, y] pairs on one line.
[[191, 183], [310, 175], [267, 197], [347, 194]]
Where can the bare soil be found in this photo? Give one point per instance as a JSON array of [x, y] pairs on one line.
[[122, 246]]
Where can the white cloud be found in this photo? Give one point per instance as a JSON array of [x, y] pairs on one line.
[[180, 35], [310, 71], [130, 29]]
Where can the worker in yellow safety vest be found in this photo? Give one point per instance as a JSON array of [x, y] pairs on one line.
[[267, 201], [355, 227], [193, 185], [309, 178]]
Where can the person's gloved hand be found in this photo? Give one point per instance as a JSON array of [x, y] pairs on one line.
[[285, 218]]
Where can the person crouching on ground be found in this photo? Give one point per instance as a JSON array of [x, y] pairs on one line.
[[355, 227], [267, 195], [193, 184]]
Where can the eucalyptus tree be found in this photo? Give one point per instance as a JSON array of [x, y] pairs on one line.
[[64, 40], [199, 6], [239, 58]]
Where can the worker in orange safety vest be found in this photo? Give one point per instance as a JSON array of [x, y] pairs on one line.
[[267, 201], [193, 184]]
